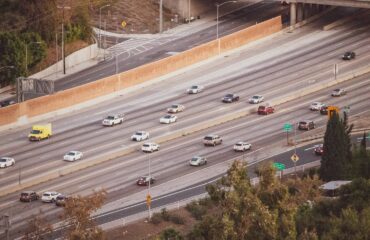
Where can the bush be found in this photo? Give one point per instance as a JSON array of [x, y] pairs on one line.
[[177, 219], [156, 218], [165, 214], [196, 210]]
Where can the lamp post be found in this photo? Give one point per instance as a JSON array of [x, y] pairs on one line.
[[100, 9], [160, 16], [63, 49], [27, 53], [218, 6]]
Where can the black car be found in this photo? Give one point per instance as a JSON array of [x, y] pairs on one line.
[[349, 55], [144, 181], [230, 98], [324, 110], [306, 125], [6, 103], [28, 196], [319, 150], [60, 201]]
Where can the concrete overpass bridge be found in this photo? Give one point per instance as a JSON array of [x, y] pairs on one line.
[[299, 9]]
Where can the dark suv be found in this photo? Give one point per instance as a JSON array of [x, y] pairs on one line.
[[306, 125], [230, 98], [28, 196], [60, 201]]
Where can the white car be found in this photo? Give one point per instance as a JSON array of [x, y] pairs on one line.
[[72, 156], [338, 92], [256, 99], [316, 106], [140, 136], [198, 161], [175, 108], [49, 196], [169, 118], [242, 146], [194, 89], [150, 147], [6, 162], [112, 120]]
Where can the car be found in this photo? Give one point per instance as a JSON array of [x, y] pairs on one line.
[[306, 125], [112, 120], [316, 106], [29, 196], [167, 119], [338, 92], [265, 109], [319, 149], [140, 136], [6, 162], [324, 110], [48, 197], [175, 108], [230, 97], [197, 161], [212, 140], [6, 103], [349, 55], [150, 147], [195, 89], [256, 99], [72, 156], [242, 147], [60, 200], [144, 181]]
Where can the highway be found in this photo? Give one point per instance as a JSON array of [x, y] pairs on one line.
[[286, 63]]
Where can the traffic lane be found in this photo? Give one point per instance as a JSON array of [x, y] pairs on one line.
[[90, 74]]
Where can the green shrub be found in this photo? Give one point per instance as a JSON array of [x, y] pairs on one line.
[[165, 214], [156, 218], [196, 210], [177, 219]]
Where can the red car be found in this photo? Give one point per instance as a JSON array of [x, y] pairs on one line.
[[144, 181], [264, 110]]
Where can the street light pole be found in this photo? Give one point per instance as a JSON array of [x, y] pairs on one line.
[[63, 47], [160, 16], [100, 9], [217, 7]]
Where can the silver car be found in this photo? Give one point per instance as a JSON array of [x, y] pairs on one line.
[[198, 161]]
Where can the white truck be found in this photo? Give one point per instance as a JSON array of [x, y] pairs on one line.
[[112, 120]]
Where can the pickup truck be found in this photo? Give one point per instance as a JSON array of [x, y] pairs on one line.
[[112, 120], [40, 132]]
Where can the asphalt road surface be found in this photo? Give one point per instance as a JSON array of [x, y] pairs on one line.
[[286, 63]]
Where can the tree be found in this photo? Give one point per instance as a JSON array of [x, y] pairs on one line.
[[77, 213], [170, 234], [336, 161], [38, 228]]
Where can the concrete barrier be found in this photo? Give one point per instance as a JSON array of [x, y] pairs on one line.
[[68, 98]]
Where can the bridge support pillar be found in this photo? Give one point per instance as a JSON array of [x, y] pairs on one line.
[[293, 13], [307, 11], [300, 12]]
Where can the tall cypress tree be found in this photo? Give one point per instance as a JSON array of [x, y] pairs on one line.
[[336, 161]]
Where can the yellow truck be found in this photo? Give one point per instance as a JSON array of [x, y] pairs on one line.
[[40, 132]]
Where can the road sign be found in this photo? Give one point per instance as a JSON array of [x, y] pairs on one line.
[[287, 127], [123, 24], [279, 166], [148, 199], [294, 157]]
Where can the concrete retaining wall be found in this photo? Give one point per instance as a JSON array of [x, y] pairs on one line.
[[20, 113], [73, 59]]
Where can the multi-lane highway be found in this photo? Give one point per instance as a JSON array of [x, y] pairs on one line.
[[288, 63]]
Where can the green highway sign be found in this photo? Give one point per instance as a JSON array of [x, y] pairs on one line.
[[279, 166], [287, 127]]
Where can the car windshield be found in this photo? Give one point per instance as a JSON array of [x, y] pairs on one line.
[[2, 160], [71, 154], [60, 197], [110, 118], [146, 145], [194, 159], [302, 123], [25, 194], [261, 107], [208, 138], [194, 87], [167, 116], [35, 132], [336, 90], [138, 133], [256, 97], [239, 144], [46, 194], [229, 95], [174, 106]]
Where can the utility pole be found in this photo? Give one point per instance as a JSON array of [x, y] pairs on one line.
[[63, 47], [160, 16]]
